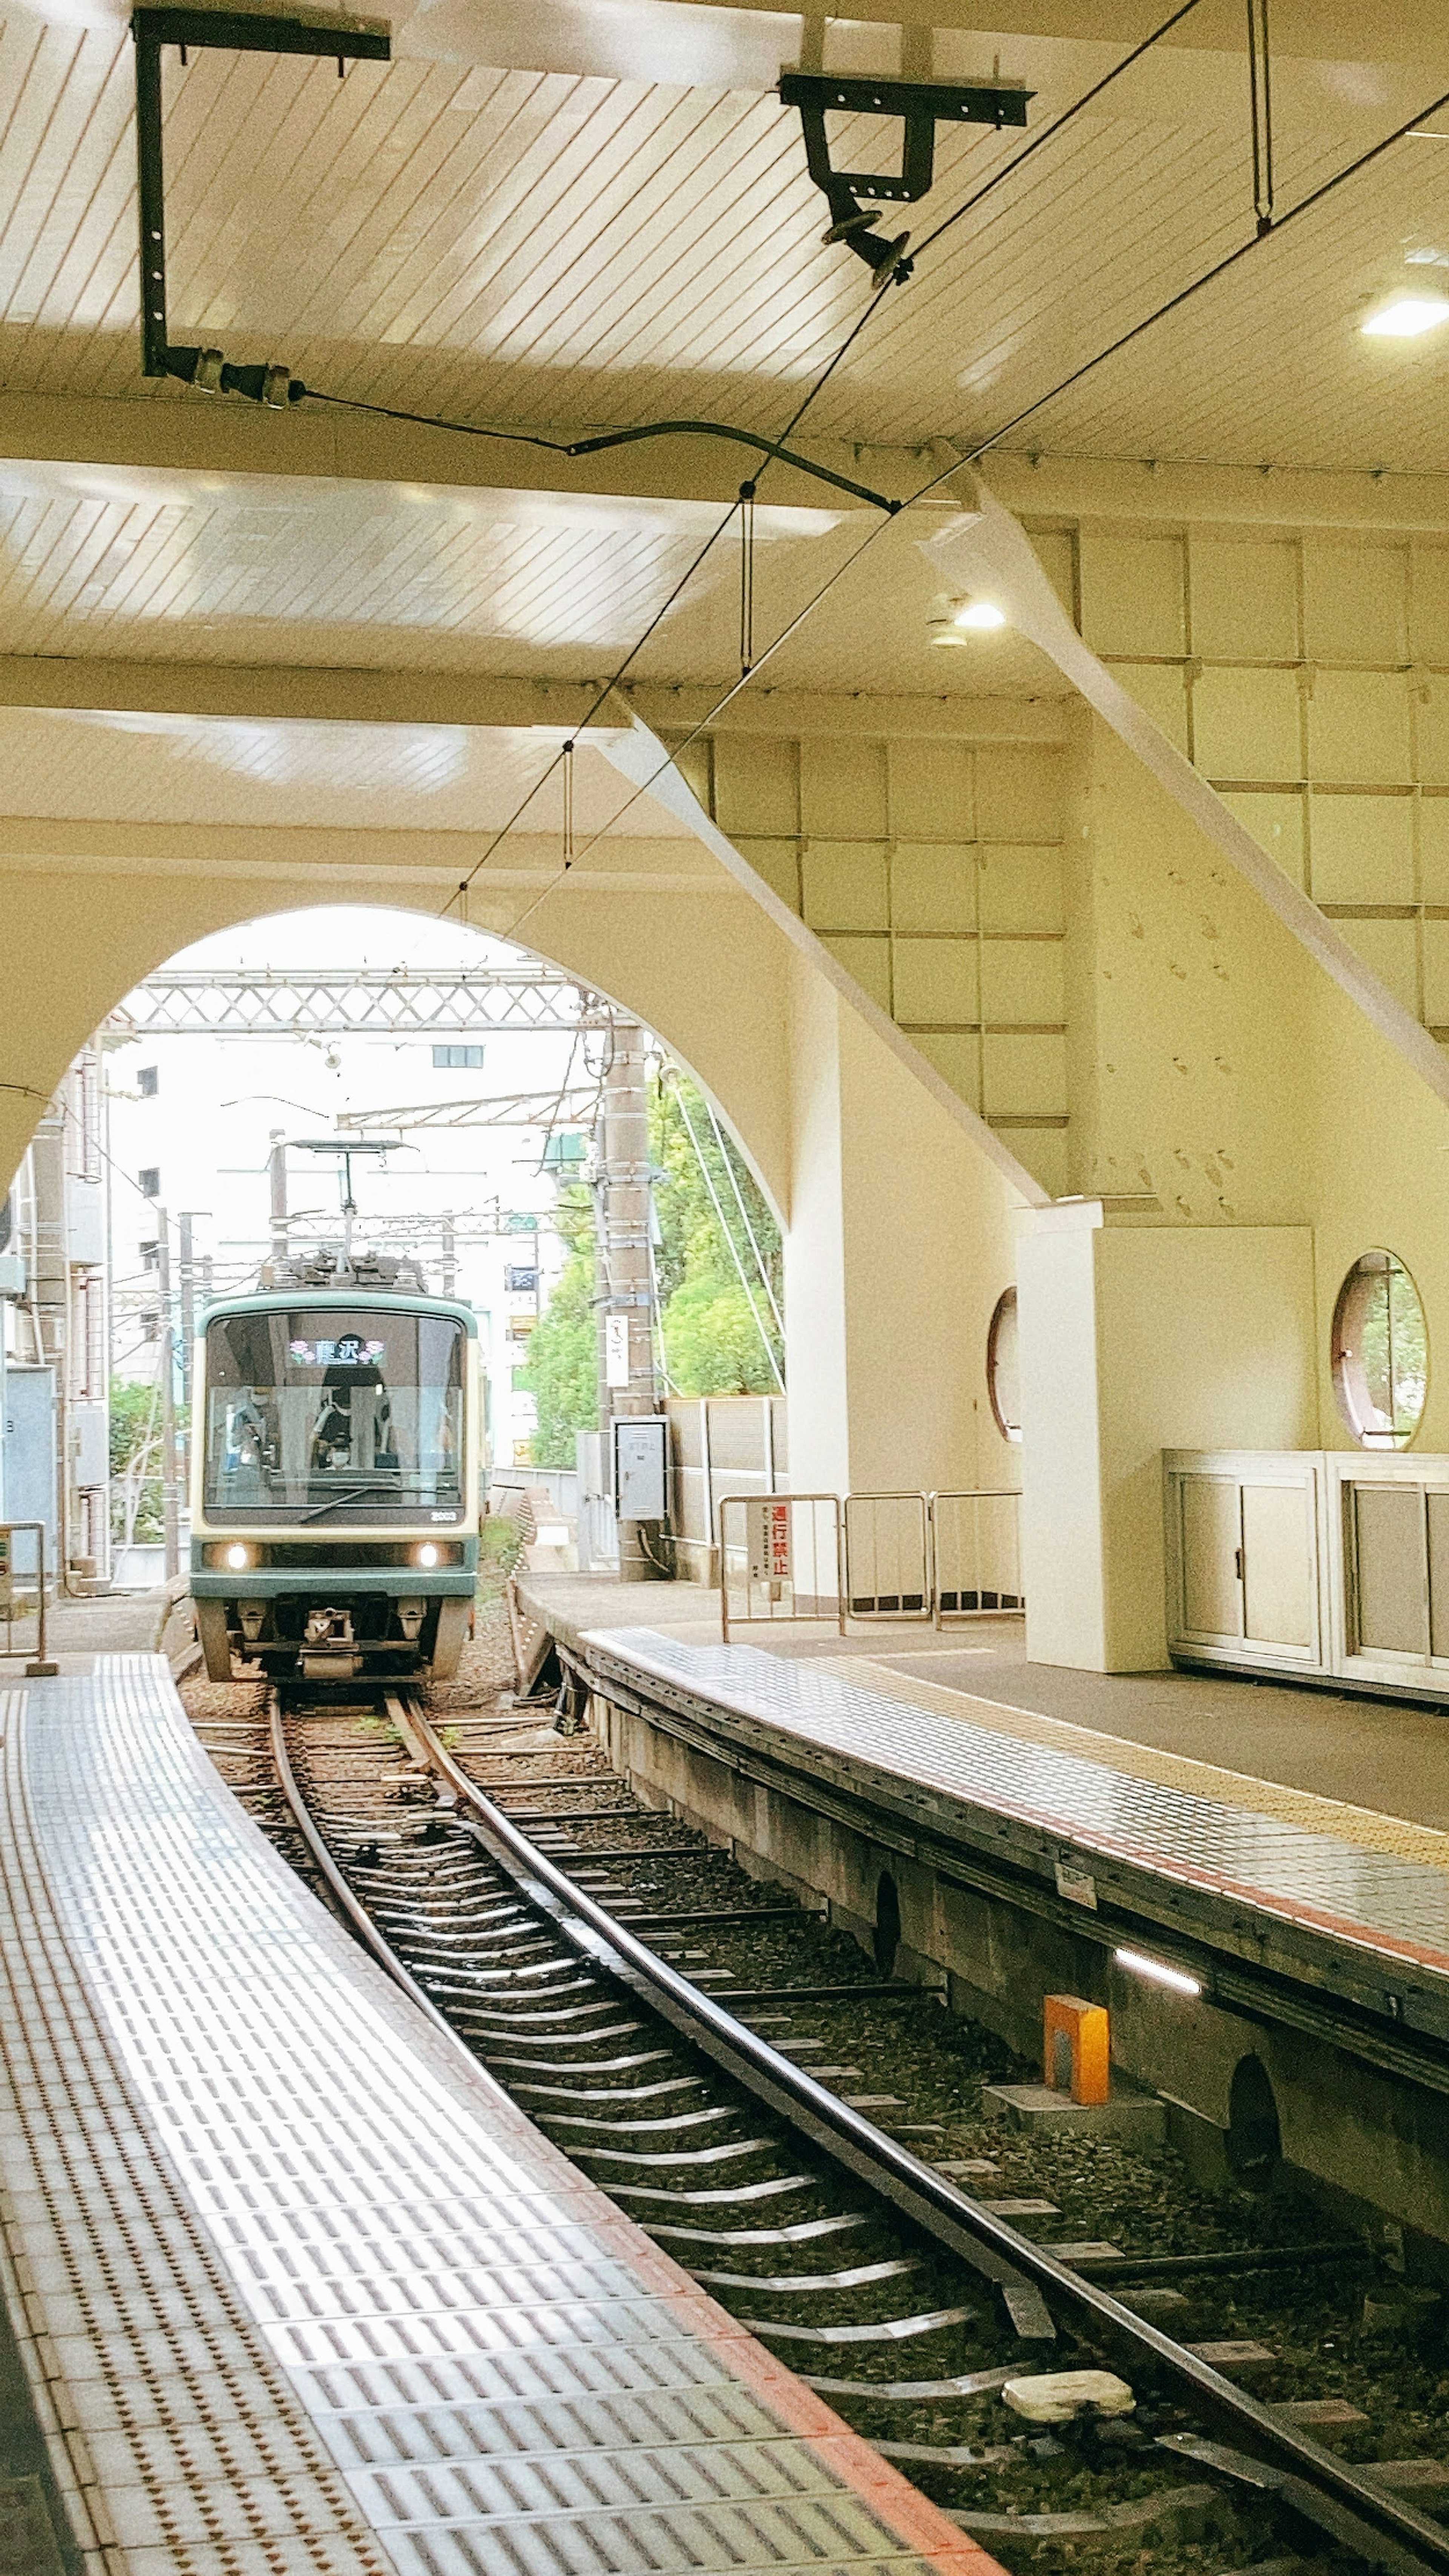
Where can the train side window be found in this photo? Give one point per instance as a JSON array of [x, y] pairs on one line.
[[1380, 1352], [1003, 1367]]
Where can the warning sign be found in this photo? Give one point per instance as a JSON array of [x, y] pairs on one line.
[[768, 1530]]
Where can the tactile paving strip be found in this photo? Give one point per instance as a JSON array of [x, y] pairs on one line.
[[1375, 1898], [1369, 1827], [302, 2280]]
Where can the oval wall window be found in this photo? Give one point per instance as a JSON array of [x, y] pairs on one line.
[[1380, 1352], [1003, 1368]]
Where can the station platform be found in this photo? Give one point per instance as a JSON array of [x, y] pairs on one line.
[[1268, 1888], [1389, 1756], [293, 2284]]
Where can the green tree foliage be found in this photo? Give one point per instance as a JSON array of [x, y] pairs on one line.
[[135, 1433], [562, 1374], [712, 1341]]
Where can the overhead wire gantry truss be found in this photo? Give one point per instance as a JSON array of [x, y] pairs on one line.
[[403, 1001]]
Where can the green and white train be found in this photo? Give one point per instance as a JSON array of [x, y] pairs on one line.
[[335, 1482]]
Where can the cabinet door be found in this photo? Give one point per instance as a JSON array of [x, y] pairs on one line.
[[1279, 1584], [1391, 1610], [1212, 1537]]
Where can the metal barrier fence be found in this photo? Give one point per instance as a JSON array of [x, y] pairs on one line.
[[888, 1555], [976, 1554], [781, 1556], [15, 1595]]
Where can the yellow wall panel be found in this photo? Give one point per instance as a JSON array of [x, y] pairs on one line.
[[956, 1059], [1045, 1153], [869, 961], [1358, 727], [932, 791], [755, 786], [1277, 824], [843, 786], [1133, 593], [935, 982], [1027, 1075], [1436, 974], [1391, 949], [1430, 701], [845, 885], [1429, 603], [932, 888], [778, 862], [1022, 890], [1056, 551], [1160, 687], [1022, 980], [1434, 849], [1019, 793], [1244, 600], [1246, 725], [1355, 602], [1361, 849]]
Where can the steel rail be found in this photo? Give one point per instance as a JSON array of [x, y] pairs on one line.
[[355, 1912], [1325, 2489]]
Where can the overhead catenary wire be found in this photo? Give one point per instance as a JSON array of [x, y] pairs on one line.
[[970, 454]]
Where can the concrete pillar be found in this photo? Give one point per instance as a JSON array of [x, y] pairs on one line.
[[1135, 1338], [898, 1244], [625, 1295]]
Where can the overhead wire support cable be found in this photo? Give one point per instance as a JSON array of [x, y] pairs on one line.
[[747, 578], [1260, 92]]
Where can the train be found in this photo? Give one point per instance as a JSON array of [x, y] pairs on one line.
[[335, 1478]]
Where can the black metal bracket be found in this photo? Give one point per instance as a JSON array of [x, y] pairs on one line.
[[921, 105], [231, 32]]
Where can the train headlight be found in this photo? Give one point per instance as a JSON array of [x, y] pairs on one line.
[[427, 1554], [238, 1558]]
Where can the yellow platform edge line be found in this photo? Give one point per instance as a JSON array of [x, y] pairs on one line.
[[1366, 1827]]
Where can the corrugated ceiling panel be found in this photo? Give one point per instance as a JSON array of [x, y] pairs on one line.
[[546, 248]]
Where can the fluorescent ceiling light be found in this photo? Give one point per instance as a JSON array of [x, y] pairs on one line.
[[1407, 317], [1157, 1973], [984, 613]]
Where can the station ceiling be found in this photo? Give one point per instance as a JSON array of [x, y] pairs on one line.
[[537, 216], [565, 216]]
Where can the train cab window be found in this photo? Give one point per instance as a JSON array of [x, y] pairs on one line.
[[1003, 1368], [355, 1416], [1380, 1352]]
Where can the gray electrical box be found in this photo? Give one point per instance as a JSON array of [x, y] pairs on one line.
[[641, 1462]]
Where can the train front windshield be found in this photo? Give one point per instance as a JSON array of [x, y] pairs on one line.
[[334, 1417]]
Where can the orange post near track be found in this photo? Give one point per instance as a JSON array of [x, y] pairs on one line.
[[1076, 2048]]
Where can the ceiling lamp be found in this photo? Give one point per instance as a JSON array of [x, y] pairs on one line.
[[957, 620], [1407, 317]]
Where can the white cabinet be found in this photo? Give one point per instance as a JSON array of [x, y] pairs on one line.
[[1243, 1556], [1327, 1561]]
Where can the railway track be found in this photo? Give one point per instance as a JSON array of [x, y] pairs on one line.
[[675, 2028]]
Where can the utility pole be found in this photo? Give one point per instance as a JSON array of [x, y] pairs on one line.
[[450, 1255], [277, 1176], [170, 1507], [624, 1298]]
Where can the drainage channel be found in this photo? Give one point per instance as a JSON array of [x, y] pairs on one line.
[[528, 1910]]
